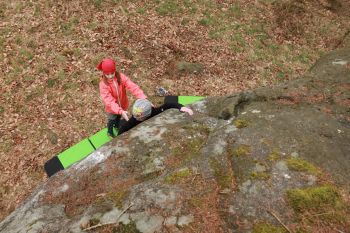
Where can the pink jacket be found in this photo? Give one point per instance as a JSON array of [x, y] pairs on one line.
[[110, 96]]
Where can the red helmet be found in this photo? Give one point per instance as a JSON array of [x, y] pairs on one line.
[[107, 66]]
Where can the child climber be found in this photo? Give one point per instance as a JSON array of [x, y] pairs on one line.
[[143, 110], [113, 87]]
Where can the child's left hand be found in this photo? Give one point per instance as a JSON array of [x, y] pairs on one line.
[[153, 106], [188, 110]]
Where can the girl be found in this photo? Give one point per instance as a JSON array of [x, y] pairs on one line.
[[113, 87]]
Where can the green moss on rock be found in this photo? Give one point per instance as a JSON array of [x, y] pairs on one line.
[[274, 156], [197, 202], [94, 222], [260, 175], [267, 228], [301, 165], [118, 197], [188, 152], [188, 67], [196, 128], [317, 199], [223, 176], [178, 176], [126, 228], [241, 150], [241, 123], [149, 176]]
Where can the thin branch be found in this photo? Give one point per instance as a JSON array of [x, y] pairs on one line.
[[122, 10], [314, 215], [99, 225], [195, 175], [109, 223], [131, 204], [285, 227]]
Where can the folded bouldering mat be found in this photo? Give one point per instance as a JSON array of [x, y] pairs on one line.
[[85, 147]]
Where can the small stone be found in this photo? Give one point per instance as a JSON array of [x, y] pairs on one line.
[[113, 214], [158, 162], [150, 224], [225, 191], [253, 190], [61, 189], [294, 154], [311, 179], [260, 168], [170, 221], [231, 209], [185, 220], [287, 176], [282, 166], [245, 185], [230, 128], [161, 198], [340, 62], [84, 225]]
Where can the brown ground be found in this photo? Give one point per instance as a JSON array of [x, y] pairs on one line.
[[48, 52]]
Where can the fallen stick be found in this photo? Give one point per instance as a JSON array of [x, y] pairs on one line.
[[285, 227], [109, 223], [131, 204], [321, 214], [195, 175]]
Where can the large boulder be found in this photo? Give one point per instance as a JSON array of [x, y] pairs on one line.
[[274, 159]]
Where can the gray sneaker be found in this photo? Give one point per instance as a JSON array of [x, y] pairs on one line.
[[161, 91]]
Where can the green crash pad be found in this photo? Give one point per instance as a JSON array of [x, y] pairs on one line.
[[85, 147], [75, 153], [189, 99]]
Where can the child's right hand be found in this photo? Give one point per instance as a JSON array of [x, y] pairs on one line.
[[125, 115]]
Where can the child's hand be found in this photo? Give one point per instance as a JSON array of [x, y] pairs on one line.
[[153, 106], [125, 115], [188, 110]]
